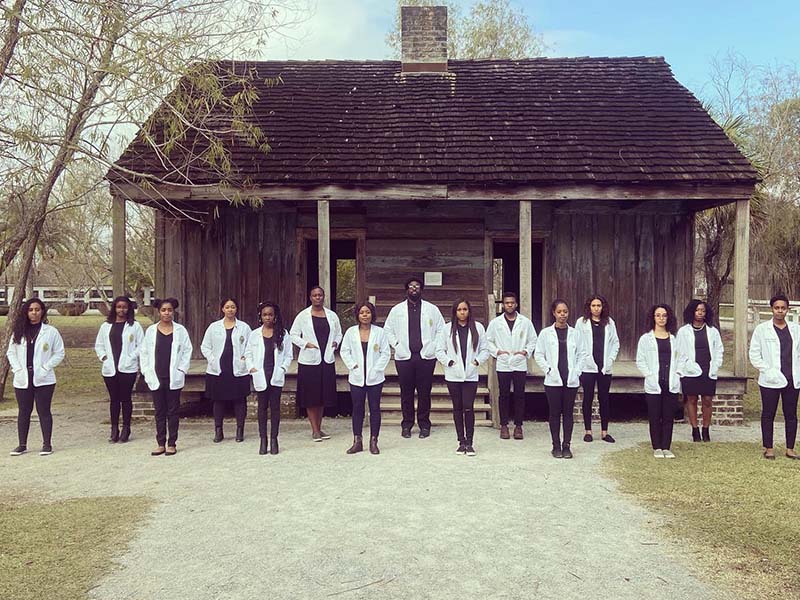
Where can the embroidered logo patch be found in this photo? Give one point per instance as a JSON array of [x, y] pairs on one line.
[[241, 339], [130, 338], [376, 347], [46, 347], [430, 322]]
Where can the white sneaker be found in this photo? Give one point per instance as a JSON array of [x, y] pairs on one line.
[[668, 454], [658, 454]]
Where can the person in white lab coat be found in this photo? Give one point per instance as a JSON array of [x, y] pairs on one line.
[[317, 332], [165, 358], [413, 326], [227, 379], [365, 352], [511, 339], [461, 349], [36, 349], [117, 345], [560, 355], [657, 358], [775, 352]]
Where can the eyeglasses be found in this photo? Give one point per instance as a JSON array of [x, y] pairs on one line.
[[414, 286]]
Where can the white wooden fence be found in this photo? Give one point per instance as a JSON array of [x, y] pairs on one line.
[[60, 294]]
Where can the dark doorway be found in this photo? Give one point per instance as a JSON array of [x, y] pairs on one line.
[[505, 274], [343, 277]]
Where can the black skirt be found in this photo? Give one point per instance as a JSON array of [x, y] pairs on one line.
[[702, 385], [316, 385]]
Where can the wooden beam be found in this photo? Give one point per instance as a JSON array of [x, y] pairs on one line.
[[525, 260], [118, 245], [324, 247], [741, 275], [160, 280]]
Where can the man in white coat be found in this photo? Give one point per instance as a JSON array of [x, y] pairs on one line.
[[412, 328]]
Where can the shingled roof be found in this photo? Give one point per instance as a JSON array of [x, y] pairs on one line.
[[485, 122]]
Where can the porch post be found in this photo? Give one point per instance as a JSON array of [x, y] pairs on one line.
[[118, 245], [324, 248], [525, 259], [741, 276]]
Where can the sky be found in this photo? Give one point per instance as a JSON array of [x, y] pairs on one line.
[[687, 34]]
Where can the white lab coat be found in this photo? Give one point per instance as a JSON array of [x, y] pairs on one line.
[[302, 332], [48, 352], [132, 338], [687, 366], [254, 359], [500, 338], [765, 355], [214, 344], [647, 363], [179, 361], [546, 355], [431, 323], [610, 345], [378, 355], [446, 352]]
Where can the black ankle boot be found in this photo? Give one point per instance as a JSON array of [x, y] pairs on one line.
[[218, 435], [706, 435], [273, 446], [240, 433], [114, 437], [263, 449], [126, 434], [695, 434], [373, 445], [358, 445]]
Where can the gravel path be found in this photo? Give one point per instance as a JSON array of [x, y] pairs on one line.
[[418, 521]]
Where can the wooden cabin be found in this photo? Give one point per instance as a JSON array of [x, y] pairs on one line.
[[549, 177]]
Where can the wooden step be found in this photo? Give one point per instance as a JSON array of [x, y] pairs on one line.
[[436, 407]]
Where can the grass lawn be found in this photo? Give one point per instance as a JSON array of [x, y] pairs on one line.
[[737, 511], [61, 549]]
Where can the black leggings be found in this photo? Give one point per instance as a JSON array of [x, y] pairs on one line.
[[769, 408], [603, 382], [371, 394], [462, 394], [504, 381], [239, 410], [167, 402], [661, 413], [561, 402], [269, 398], [42, 397], [119, 389]]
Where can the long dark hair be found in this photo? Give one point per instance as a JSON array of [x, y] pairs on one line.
[[688, 313], [279, 328], [587, 310], [470, 324], [112, 315], [672, 322], [23, 326]]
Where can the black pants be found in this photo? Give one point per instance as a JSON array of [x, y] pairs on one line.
[[371, 394], [269, 398], [769, 407], [239, 410], [603, 382], [166, 402], [661, 414], [416, 373], [504, 381], [42, 397], [119, 389], [462, 394], [561, 402]]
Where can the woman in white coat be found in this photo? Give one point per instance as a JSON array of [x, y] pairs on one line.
[[560, 355], [598, 333], [165, 358], [365, 352], [657, 358], [462, 348], [700, 353], [117, 346], [227, 380], [36, 349], [317, 332], [268, 356]]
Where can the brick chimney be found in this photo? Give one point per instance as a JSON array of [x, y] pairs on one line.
[[423, 38]]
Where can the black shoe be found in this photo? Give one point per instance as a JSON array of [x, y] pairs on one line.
[[607, 438], [19, 451], [373, 445], [470, 451], [565, 451], [462, 448], [706, 435], [423, 433], [263, 449], [273, 445], [588, 438], [240, 433], [406, 433], [218, 435], [125, 435], [358, 445], [696, 434], [114, 437], [556, 451]]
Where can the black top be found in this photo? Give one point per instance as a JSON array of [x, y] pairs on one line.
[[786, 352], [463, 330], [702, 351], [163, 355], [269, 356], [322, 330], [226, 358], [364, 350], [510, 323], [664, 360], [33, 333], [115, 337], [563, 360], [598, 344], [414, 327]]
